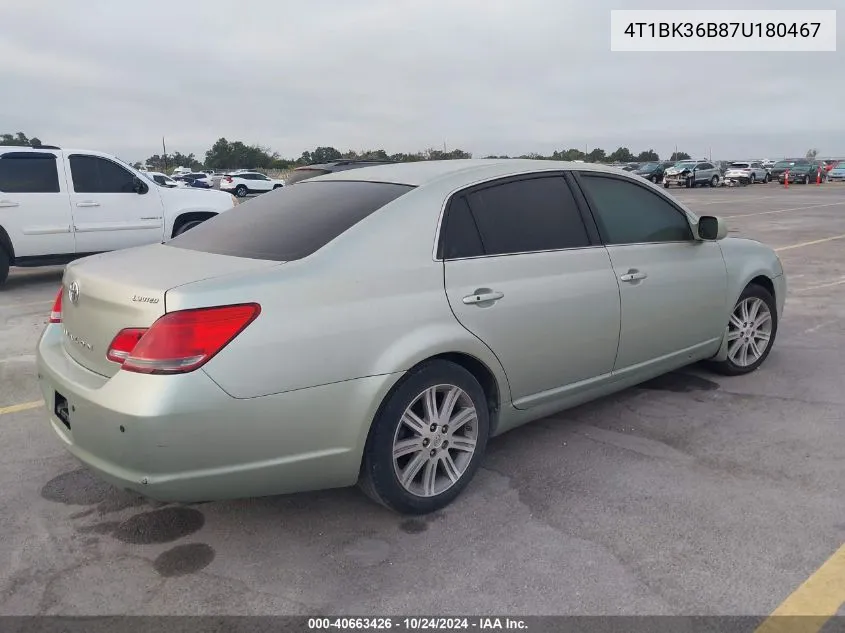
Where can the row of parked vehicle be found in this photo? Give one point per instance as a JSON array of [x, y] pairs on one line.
[[693, 173]]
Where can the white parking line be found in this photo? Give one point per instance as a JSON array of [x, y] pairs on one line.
[[810, 243], [829, 284], [735, 201], [812, 206]]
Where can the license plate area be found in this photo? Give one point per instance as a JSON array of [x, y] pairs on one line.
[[61, 409]]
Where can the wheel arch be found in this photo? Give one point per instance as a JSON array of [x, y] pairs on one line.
[[190, 216], [761, 279]]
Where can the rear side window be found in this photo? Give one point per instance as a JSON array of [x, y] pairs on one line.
[[460, 234], [92, 174], [291, 222], [28, 172], [533, 214]]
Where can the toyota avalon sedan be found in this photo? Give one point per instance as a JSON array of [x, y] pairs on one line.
[[379, 325]]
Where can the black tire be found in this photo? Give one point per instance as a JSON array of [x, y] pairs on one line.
[[378, 477], [186, 226], [753, 179], [4, 265], [277, 187], [241, 191], [806, 179], [665, 185], [727, 367], [653, 178], [767, 178], [714, 181]]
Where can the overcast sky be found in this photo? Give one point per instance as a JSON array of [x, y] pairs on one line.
[[487, 76]]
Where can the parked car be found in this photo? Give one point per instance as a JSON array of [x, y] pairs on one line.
[[691, 173], [163, 179], [803, 172], [57, 205], [244, 182], [310, 171], [768, 164], [829, 163], [747, 172], [199, 180], [651, 171], [837, 173], [782, 166], [180, 171], [288, 357]]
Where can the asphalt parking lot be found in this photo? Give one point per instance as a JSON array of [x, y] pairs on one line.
[[693, 494]]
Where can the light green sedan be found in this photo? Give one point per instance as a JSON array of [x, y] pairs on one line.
[[379, 325]]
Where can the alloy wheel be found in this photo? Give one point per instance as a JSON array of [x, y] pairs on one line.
[[435, 440], [749, 331]]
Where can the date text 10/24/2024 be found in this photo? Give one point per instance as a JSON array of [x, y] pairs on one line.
[[723, 31], [417, 623]]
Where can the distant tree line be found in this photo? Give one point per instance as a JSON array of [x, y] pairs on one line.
[[225, 154]]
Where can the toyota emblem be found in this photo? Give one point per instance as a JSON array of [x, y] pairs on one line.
[[73, 292]]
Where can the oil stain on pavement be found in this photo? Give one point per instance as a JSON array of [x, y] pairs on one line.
[[161, 525]]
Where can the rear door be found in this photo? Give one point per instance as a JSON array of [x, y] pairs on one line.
[[108, 214], [34, 203], [673, 287], [260, 182], [523, 274]]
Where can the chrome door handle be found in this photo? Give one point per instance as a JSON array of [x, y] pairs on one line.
[[89, 203], [633, 275], [482, 295], [8, 203]]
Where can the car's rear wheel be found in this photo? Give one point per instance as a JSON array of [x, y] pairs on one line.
[[752, 328], [240, 191], [714, 181], [753, 179], [767, 178], [427, 439], [665, 185], [277, 187], [4, 265]]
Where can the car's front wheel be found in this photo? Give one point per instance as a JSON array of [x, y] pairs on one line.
[[4, 265], [752, 328], [427, 439]]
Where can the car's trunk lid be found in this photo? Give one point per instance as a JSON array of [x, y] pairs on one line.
[[106, 293]]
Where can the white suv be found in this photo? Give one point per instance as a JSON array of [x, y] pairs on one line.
[[58, 205], [243, 182]]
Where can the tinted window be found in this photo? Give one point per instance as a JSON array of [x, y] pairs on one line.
[[705, 166], [536, 214], [302, 174], [629, 214], [92, 174], [160, 179], [460, 234], [28, 172], [291, 222]]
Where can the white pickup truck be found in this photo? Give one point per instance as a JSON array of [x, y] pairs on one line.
[[57, 205]]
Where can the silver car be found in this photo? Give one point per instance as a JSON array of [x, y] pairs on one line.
[[379, 325], [692, 173]]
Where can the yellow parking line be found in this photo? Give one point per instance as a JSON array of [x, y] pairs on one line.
[[812, 206], [816, 601], [811, 243], [25, 406]]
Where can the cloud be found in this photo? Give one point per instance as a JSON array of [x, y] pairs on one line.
[[494, 76]]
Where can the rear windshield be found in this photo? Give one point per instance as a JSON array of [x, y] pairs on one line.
[[291, 222], [302, 174]]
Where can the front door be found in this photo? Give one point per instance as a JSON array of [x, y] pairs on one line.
[[673, 287], [108, 214], [522, 275]]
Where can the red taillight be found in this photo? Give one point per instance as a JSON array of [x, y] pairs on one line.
[[56, 312], [180, 342], [228, 179], [124, 343]]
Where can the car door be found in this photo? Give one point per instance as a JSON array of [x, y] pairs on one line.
[[673, 287], [261, 182], [34, 204], [705, 172], [108, 212], [523, 275]]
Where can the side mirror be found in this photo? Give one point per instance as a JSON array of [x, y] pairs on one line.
[[139, 186], [712, 228]]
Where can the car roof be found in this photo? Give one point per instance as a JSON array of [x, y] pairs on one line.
[[423, 172]]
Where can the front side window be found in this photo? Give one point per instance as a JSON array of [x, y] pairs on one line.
[[630, 214], [28, 172], [92, 174], [533, 214]]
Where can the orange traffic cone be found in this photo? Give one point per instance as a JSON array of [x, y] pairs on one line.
[[819, 177], [786, 180]]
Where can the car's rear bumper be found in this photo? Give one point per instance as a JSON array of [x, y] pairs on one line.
[[182, 438]]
